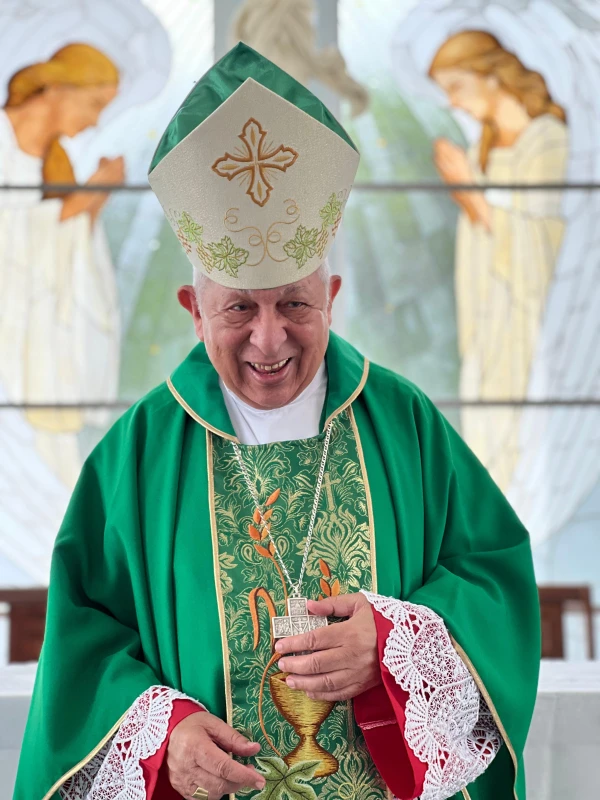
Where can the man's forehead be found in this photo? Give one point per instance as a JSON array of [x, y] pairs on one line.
[[268, 294]]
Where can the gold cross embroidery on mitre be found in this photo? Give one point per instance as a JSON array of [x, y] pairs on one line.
[[252, 164]]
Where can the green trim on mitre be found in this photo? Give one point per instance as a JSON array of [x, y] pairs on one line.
[[223, 79]]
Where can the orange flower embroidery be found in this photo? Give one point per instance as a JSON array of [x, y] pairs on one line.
[[253, 164], [328, 587]]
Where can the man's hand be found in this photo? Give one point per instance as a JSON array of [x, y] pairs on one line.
[[344, 661], [198, 755]]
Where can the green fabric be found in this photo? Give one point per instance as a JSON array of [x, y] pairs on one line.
[[133, 601], [339, 562], [223, 79]]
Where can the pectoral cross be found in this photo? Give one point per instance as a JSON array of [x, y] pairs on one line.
[[298, 619]]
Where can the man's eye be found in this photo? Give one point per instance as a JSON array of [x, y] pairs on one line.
[[239, 307], [296, 304]]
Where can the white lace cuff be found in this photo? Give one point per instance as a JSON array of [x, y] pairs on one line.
[[116, 770], [448, 724]]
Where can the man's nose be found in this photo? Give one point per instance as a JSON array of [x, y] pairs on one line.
[[268, 332]]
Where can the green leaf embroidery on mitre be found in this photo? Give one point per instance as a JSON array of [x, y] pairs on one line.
[[223, 256], [286, 783], [331, 211], [311, 241], [303, 246], [189, 229]]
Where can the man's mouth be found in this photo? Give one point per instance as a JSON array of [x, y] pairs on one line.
[[271, 369]]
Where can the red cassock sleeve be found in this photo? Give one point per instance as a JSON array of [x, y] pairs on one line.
[[380, 713], [154, 768]]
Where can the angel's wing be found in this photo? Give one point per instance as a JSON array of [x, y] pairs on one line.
[[559, 447]]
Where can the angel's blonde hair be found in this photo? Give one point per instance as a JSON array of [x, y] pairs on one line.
[[482, 53], [73, 65]]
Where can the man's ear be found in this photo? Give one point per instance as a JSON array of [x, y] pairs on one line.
[[187, 298], [335, 284]]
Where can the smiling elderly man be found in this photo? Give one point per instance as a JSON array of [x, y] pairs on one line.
[[282, 574]]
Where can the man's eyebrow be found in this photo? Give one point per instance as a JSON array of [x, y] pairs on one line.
[[238, 294], [292, 289]]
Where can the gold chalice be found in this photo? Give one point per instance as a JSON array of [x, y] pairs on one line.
[[306, 717]]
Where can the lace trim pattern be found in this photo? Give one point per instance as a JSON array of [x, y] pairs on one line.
[[115, 772], [448, 724], [78, 786]]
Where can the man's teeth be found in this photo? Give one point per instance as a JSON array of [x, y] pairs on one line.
[[269, 367]]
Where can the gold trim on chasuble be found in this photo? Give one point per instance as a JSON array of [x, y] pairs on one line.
[[348, 402], [197, 417], [363, 469], [314, 742], [486, 696]]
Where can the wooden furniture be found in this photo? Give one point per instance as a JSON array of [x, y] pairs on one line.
[[555, 601], [27, 620], [27, 617]]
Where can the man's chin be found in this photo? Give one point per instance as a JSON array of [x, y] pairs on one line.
[[266, 390]]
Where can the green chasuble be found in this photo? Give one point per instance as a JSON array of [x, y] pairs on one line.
[[161, 575]]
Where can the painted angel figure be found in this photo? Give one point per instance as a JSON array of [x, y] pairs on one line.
[[60, 320], [507, 242], [518, 269], [60, 295]]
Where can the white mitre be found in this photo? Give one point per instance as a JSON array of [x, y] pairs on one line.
[[253, 173]]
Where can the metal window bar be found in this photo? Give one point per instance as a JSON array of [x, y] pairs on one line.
[[122, 405], [379, 186]]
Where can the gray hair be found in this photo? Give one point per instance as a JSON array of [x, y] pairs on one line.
[[200, 279]]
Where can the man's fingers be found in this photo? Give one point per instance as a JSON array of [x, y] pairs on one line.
[[347, 693], [319, 639], [222, 766], [334, 681], [215, 787], [200, 777], [229, 739], [315, 663], [342, 606], [199, 751]]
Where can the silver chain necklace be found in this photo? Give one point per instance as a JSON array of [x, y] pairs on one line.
[[295, 588]]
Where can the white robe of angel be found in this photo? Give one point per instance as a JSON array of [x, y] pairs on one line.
[[59, 343], [502, 281]]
